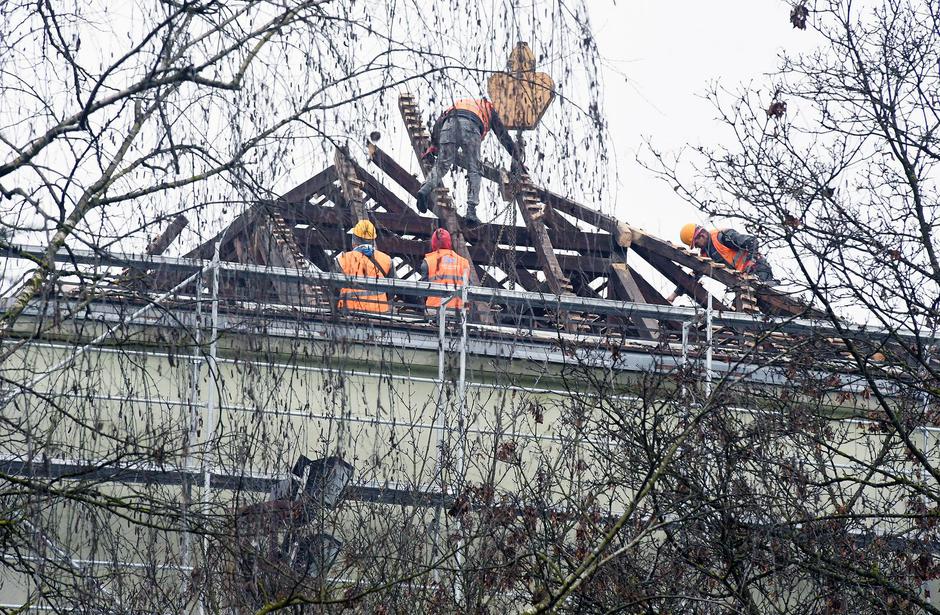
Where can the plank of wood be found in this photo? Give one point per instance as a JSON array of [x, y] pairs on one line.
[[627, 289], [682, 279], [158, 246], [170, 233], [577, 240], [350, 184], [378, 192], [307, 189], [278, 247], [532, 212]]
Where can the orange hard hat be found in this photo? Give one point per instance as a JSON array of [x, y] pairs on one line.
[[687, 234]]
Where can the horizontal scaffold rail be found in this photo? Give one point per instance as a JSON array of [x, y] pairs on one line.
[[547, 301]]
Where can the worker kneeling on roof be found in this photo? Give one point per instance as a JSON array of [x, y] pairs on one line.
[[364, 260], [444, 266], [734, 249]]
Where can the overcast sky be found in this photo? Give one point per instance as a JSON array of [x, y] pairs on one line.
[[660, 57]]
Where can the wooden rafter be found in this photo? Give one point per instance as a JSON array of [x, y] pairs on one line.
[[533, 212], [301, 193], [162, 241], [276, 246], [625, 287], [569, 256], [350, 184], [157, 247]]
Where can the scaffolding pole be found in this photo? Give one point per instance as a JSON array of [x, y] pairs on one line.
[[211, 385], [438, 425], [461, 428], [708, 346], [192, 425]]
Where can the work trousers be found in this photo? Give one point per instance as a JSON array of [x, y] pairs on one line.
[[463, 133]]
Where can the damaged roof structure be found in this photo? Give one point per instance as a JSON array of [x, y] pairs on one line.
[[564, 248]]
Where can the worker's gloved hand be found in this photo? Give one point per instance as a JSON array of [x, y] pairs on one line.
[[430, 154]]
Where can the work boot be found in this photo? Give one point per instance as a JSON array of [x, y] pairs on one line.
[[423, 201], [471, 217]]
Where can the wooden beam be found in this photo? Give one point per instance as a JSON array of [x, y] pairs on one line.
[[304, 191], [649, 292], [350, 184], [498, 175], [581, 283], [535, 213], [532, 212], [529, 282], [378, 192], [170, 233], [626, 288], [155, 248], [770, 300], [411, 222], [683, 280], [299, 194], [277, 247]]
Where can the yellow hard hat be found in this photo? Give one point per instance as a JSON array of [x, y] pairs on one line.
[[687, 234], [363, 230]]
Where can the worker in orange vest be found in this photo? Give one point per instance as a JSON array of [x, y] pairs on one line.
[[364, 260], [464, 126], [444, 266], [734, 249]]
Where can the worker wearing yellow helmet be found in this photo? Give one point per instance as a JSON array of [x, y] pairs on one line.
[[727, 246], [364, 260]]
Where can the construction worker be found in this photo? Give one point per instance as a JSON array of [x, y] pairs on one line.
[[464, 126], [734, 249], [444, 266], [364, 260]]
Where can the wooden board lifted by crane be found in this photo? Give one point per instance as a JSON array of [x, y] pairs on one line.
[[520, 94]]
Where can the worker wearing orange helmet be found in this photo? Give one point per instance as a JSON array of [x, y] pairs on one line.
[[365, 261], [464, 126], [444, 266], [735, 250]]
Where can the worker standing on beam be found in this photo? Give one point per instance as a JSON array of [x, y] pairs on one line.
[[364, 260], [464, 126], [734, 249], [444, 266]]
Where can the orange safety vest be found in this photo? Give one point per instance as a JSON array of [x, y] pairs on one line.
[[446, 267], [357, 263], [739, 259], [480, 108]]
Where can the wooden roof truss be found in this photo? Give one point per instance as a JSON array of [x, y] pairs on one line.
[[595, 257]]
